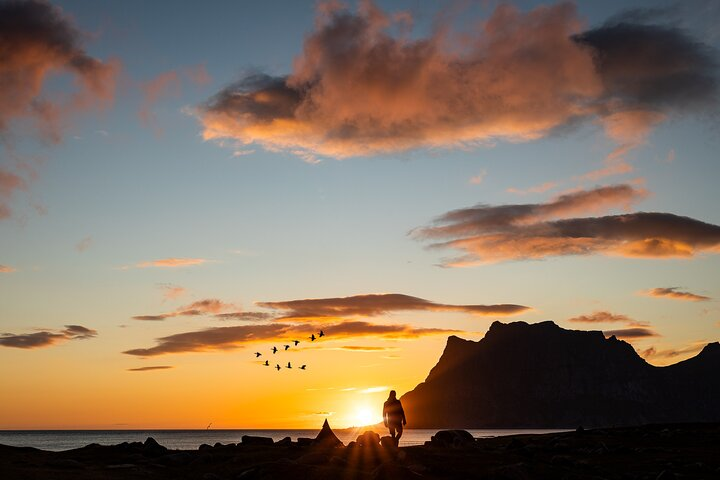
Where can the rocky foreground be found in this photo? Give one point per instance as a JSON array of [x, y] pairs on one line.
[[656, 452]]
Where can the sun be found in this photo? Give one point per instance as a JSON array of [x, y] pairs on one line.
[[364, 416]]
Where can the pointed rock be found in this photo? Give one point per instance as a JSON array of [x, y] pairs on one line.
[[326, 437]]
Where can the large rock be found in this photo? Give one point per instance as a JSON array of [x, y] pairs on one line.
[[368, 438], [452, 438], [253, 440], [543, 376]]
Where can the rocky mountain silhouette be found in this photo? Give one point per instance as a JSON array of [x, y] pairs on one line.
[[542, 376]]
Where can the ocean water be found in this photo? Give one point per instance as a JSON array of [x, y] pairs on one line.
[[57, 440]]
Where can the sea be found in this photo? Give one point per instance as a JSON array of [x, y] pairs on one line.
[[59, 440]]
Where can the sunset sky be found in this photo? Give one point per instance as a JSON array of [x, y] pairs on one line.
[[183, 184]]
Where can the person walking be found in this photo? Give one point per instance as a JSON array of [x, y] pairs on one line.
[[394, 417]]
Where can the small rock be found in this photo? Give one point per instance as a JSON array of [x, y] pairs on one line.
[[452, 438], [304, 442], [368, 438], [284, 441], [388, 443], [204, 446]]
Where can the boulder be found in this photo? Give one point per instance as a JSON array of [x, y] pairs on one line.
[[326, 437], [452, 438], [388, 443], [253, 440], [152, 447], [368, 438]]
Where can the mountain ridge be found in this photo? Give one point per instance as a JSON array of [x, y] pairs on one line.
[[540, 375]]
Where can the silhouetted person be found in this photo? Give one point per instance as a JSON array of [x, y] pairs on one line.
[[394, 417]]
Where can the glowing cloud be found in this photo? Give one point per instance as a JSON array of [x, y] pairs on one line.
[[149, 369], [45, 338], [377, 304], [675, 294], [228, 338], [38, 40], [6, 269], [172, 262], [358, 88], [533, 231], [200, 307], [633, 332], [601, 317]]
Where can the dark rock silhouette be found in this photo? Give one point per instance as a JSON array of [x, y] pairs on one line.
[[254, 440], [368, 438], [543, 376], [326, 437], [451, 438]]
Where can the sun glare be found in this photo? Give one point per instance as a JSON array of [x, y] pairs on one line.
[[364, 416]]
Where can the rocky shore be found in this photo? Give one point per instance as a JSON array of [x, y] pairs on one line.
[[653, 452]]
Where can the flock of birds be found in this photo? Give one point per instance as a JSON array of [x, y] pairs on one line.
[[274, 350]]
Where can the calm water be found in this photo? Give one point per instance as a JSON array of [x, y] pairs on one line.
[[57, 440]]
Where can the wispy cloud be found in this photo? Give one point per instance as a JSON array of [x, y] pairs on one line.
[[489, 234], [363, 85], [375, 389], [172, 262], [229, 338], [148, 369], [360, 348], [631, 333], [676, 294], [84, 244], [45, 338], [601, 317], [172, 292], [201, 307], [6, 269], [478, 179], [377, 304], [542, 188]]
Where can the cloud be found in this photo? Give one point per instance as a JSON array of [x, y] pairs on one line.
[[377, 304], [375, 389], [478, 179], [38, 40], [363, 85], [536, 189], [601, 317], [165, 84], [84, 244], [201, 307], [6, 269], [172, 262], [9, 183], [228, 338], [245, 316], [533, 231], [45, 338], [633, 332], [148, 369], [674, 293], [171, 292], [653, 353]]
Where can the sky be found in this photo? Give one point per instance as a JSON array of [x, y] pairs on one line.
[[183, 184]]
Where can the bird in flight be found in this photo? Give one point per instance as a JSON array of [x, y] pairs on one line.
[[287, 346], [278, 367], [321, 334], [296, 342], [274, 349], [267, 363], [303, 367], [288, 365], [312, 337], [257, 354]]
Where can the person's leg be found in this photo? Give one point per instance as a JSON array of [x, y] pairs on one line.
[[399, 434], [392, 430]]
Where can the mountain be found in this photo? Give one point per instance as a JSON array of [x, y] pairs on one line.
[[542, 376]]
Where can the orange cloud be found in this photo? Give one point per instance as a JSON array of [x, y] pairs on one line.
[[38, 40], [172, 262], [634, 332], [167, 83], [6, 269], [521, 232], [377, 304], [228, 338], [675, 294], [362, 85], [45, 338], [201, 307], [536, 189], [601, 317], [171, 292], [148, 369], [9, 184]]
